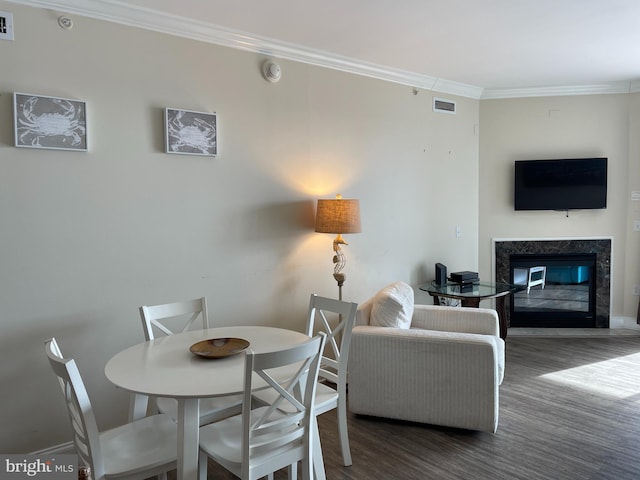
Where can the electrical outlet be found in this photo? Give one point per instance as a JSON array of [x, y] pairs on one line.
[[636, 290], [6, 26], [458, 231], [636, 225]]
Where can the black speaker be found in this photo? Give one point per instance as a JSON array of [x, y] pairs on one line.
[[441, 274]]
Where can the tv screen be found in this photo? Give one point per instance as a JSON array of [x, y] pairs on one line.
[[566, 184]]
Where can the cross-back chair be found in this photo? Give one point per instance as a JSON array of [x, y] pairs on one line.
[[332, 388], [189, 310], [134, 451], [335, 318], [263, 440], [177, 317]]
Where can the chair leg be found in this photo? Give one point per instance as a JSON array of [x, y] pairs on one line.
[[202, 466], [316, 466], [344, 434], [292, 471]]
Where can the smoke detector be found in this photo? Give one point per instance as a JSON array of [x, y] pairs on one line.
[[65, 22], [271, 71]]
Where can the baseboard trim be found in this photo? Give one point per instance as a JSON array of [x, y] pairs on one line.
[[624, 322]]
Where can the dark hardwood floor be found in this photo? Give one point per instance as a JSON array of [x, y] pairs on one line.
[[569, 409]]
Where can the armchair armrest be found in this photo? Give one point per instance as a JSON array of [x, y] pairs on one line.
[[363, 313], [482, 321]]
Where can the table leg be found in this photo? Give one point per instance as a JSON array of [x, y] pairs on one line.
[[188, 438], [470, 302], [502, 316]]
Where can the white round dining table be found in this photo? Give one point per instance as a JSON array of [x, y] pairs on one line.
[[165, 367]]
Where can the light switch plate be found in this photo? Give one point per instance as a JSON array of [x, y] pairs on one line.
[[6, 26]]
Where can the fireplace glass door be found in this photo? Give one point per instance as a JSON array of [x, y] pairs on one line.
[[553, 290]]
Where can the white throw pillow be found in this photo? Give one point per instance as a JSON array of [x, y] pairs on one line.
[[393, 306]]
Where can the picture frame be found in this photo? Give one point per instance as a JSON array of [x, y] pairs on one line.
[[49, 122], [191, 133]]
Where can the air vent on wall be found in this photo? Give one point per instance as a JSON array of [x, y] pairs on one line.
[[444, 106]]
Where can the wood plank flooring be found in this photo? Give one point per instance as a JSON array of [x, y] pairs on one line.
[[569, 409]]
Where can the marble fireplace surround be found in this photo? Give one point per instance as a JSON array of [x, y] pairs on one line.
[[601, 246]]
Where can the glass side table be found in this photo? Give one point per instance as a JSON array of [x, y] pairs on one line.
[[471, 294]]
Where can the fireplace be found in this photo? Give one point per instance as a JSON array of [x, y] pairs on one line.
[[575, 290]]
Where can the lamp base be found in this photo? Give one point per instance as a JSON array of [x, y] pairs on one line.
[[340, 278]]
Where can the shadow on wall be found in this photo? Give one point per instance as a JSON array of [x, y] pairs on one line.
[[265, 224]]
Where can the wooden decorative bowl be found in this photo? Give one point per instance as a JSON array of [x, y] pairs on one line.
[[219, 347]]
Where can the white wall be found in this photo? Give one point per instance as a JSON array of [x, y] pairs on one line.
[[89, 237], [632, 250], [563, 127]]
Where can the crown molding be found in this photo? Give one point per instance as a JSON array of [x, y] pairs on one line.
[[149, 19], [120, 12], [601, 89]]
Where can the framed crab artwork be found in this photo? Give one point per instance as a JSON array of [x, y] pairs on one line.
[[191, 133], [49, 122]]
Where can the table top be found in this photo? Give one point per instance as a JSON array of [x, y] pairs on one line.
[[475, 290], [165, 366]]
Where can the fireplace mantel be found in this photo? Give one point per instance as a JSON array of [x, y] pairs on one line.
[[601, 246]]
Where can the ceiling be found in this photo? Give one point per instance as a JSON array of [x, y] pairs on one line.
[[477, 48]]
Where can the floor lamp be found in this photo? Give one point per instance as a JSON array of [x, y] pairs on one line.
[[338, 216]]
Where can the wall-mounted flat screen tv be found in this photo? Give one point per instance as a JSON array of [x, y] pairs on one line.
[[561, 184]]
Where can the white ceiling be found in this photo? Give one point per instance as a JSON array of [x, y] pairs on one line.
[[481, 48]]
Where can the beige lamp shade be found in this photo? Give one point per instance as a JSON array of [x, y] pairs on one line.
[[338, 215]]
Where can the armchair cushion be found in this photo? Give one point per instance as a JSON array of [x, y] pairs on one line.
[[393, 306]]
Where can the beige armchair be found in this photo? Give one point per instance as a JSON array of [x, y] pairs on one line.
[[445, 369]]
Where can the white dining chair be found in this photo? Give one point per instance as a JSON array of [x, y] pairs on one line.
[[176, 317], [263, 440], [331, 392], [134, 451]]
